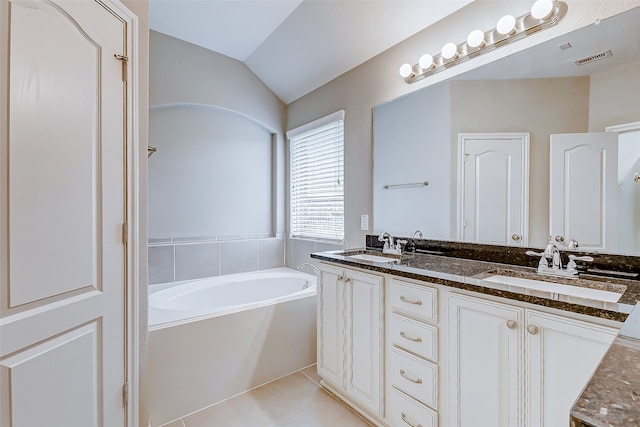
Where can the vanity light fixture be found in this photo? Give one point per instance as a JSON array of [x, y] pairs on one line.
[[544, 14], [506, 25], [475, 39], [449, 51]]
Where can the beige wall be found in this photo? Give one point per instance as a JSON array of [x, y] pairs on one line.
[[538, 106], [615, 97], [183, 73], [377, 81]]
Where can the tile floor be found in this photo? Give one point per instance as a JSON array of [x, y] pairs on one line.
[[296, 400]]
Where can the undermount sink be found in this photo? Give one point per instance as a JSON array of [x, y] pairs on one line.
[[372, 258], [558, 288]]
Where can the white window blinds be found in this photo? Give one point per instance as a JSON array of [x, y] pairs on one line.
[[316, 167]]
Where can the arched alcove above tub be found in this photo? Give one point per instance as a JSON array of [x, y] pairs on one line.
[[212, 174]]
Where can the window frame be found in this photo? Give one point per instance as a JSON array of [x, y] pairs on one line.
[[322, 146]]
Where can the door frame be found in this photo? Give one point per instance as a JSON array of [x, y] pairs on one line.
[[624, 128], [524, 145], [132, 230]]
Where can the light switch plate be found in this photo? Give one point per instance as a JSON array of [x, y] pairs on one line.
[[364, 222]]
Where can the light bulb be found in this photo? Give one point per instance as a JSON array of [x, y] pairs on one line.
[[405, 70], [506, 24], [449, 51], [541, 9], [475, 39], [425, 61]]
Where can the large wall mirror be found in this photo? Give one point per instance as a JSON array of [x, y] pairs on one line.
[[419, 139]]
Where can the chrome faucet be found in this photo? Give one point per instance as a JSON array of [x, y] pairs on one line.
[[550, 263], [389, 246], [552, 255], [306, 264], [388, 241], [417, 235]]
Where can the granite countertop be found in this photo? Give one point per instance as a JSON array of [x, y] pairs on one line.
[[469, 274], [612, 395]]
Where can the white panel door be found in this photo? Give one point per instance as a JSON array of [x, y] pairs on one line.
[[62, 204], [364, 357], [583, 178], [331, 324], [562, 354], [494, 188], [485, 362]]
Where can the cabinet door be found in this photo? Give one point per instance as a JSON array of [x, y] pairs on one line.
[[365, 344], [562, 354], [485, 359], [331, 333]]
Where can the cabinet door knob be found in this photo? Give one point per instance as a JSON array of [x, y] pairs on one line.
[[404, 418], [417, 381], [516, 237], [560, 239], [340, 278], [533, 329], [512, 324]]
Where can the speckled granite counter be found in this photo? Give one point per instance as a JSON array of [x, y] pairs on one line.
[[612, 396], [469, 274]]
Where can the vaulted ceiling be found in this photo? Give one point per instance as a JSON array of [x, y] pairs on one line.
[[296, 46]]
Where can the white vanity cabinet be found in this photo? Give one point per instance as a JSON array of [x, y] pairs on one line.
[[350, 335], [412, 353], [514, 366]]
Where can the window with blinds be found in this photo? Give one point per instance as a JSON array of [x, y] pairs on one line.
[[316, 167]]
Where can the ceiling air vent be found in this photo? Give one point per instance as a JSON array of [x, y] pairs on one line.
[[593, 58]]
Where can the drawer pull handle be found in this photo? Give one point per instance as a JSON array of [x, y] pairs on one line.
[[418, 381], [404, 418], [403, 335], [403, 299]]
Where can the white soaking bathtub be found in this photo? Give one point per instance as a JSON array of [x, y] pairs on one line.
[[211, 296], [211, 339]]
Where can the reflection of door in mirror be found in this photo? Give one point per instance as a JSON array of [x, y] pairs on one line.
[[628, 194], [582, 190], [494, 188]]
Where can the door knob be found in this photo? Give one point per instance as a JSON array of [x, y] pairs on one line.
[[516, 237], [512, 324], [560, 239]]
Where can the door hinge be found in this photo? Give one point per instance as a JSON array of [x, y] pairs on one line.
[[125, 394], [123, 59], [125, 233]]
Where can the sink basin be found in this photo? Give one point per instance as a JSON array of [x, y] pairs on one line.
[[372, 258], [558, 288]]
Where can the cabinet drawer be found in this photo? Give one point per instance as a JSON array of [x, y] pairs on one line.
[[414, 299], [406, 412], [416, 377], [413, 336]]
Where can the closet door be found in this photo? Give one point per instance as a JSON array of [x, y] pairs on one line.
[[582, 196], [62, 214], [494, 188]]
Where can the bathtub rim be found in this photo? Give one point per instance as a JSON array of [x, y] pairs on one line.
[[311, 291]]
